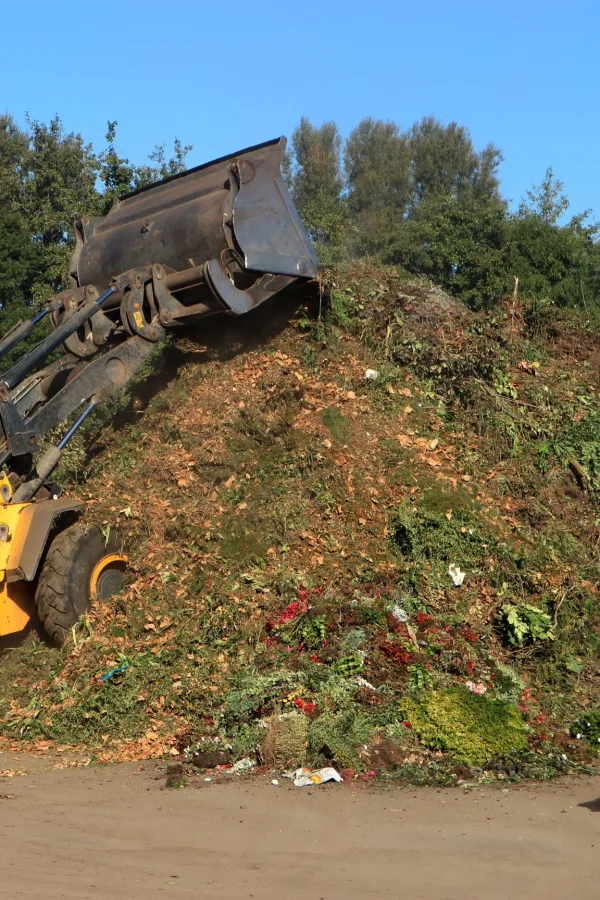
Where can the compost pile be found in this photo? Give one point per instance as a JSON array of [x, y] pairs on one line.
[[363, 532]]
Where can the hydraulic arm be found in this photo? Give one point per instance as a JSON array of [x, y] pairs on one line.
[[220, 238]]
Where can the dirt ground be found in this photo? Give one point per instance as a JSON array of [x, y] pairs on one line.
[[115, 831]]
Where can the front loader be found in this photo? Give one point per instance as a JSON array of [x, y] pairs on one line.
[[220, 238]]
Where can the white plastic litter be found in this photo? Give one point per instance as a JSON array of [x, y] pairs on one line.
[[399, 614], [243, 765], [371, 375], [304, 777], [275, 782], [456, 575], [362, 682]]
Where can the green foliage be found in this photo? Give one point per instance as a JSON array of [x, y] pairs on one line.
[[341, 306], [253, 693], [473, 728], [508, 685], [316, 182], [546, 201], [377, 163], [457, 242], [427, 200], [588, 726], [578, 445], [419, 679], [526, 624], [338, 737], [349, 665], [119, 176], [552, 261], [306, 629], [444, 162], [420, 534]]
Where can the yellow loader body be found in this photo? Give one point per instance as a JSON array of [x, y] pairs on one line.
[[24, 530]]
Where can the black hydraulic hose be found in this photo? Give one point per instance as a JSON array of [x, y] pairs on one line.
[[20, 331], [35, 356]]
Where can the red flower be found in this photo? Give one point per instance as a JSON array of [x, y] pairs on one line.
[[395, 652], [306, 706], [294, 609]]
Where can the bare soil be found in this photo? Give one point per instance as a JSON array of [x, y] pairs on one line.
[[115, 831]]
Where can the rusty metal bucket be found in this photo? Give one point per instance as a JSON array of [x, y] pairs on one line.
[[223, 236]]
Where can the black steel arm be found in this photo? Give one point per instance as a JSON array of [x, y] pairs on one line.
[[94, 382], [50, 343]]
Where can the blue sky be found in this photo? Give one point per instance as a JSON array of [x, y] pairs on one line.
[[222, 76]]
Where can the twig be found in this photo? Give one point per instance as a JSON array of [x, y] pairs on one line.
[[320, 297], [560, 603], [583, 296]]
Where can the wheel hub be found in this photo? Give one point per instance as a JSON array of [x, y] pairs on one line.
[[108, 576]]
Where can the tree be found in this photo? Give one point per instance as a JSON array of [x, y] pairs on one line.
[[120, 177], [58, 184], [163, 167], [445, 163], [546, 201], [13, 149], [377, 171], [458, 244], [454, 228], [316, 181], [48, 178], [116, 172], [552, 261], [20, 259]]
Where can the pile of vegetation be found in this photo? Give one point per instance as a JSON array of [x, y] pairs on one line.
[[363, 523], [363, 529]]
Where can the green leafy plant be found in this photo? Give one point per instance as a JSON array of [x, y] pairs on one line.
[[349, 665], [307, 630], [419, 679], [526, 624], [503, 384]]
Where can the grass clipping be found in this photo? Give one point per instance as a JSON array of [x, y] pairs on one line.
[[473, 728]]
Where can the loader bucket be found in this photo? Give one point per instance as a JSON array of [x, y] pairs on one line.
[[225, 235]]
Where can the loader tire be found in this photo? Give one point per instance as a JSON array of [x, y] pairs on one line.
[[64, 588]]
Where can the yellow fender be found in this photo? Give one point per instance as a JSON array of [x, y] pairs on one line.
[[24, 530]]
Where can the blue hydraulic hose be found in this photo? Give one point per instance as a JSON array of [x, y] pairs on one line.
[[76, 425]]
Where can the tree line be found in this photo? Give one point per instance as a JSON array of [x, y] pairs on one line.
[[424, 199], [427, 200]]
